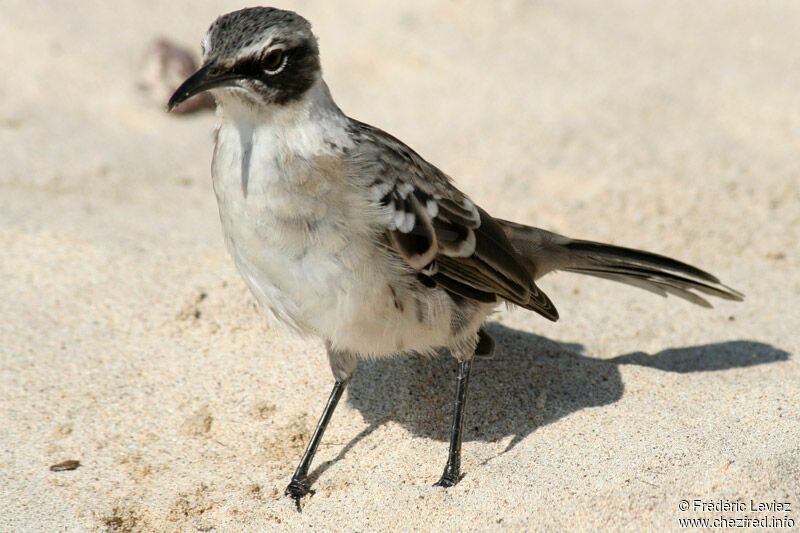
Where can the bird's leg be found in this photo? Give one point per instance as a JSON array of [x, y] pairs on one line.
[[299, 486], [452, 470], [343, 364]]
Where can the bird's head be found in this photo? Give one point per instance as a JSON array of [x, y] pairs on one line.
[[260, 56]]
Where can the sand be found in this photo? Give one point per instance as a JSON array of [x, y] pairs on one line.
[[129, 343]]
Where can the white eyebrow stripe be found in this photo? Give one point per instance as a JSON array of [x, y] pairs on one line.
[[254, 50]]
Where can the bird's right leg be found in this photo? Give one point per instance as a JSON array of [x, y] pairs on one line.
[[452, 470], [343, 364]]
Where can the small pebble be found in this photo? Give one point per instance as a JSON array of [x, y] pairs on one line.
[[71, 464]]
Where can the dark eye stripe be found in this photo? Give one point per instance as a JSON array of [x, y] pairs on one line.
[[252, 67], [300, 68], [249, 68]]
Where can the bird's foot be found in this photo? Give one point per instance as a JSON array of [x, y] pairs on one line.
[[448, 479], [297, 489]]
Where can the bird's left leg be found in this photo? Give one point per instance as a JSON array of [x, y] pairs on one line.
[[343, 364]]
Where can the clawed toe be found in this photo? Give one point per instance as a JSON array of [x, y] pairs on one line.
[[447, 481], [297, 489]]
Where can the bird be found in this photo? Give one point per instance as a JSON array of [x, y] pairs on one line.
[[344, 233]]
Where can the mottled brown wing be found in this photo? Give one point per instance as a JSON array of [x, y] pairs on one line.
[[436, 229]]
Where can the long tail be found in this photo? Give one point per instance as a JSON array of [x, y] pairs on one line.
[[545, 252]]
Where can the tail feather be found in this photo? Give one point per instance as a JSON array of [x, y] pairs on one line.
[[616, 253], [544, 252], [652, 286]]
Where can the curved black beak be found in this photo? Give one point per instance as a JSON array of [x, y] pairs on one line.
[[208, 77]]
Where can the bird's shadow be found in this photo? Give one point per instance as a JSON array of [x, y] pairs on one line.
[[531, 381]]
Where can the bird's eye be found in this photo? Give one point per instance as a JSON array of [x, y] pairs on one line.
[[273, 60]]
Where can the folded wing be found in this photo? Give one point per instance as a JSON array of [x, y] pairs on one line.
[[439, 232]]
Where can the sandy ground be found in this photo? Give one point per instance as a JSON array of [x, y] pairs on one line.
[[129, 343]]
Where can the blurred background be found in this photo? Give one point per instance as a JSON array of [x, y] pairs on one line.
[[128, 341]]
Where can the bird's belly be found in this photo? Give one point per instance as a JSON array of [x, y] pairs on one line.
[[344, 291]]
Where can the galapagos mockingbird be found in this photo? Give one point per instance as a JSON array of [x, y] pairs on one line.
[[343, 232]]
